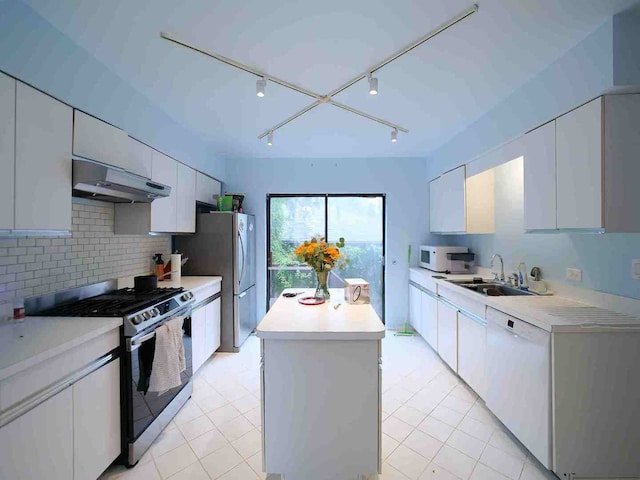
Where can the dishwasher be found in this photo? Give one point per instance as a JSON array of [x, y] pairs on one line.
[[519, 380]]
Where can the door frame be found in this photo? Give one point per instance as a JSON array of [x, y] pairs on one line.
[[326, 196]]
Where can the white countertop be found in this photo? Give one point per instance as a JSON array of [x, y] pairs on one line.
[[37, 339], [551, 313], [289, 320], [186, 282]]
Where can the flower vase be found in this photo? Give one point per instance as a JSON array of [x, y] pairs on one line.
[[322, 290]]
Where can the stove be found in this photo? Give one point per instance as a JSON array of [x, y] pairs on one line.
[[139, 310]]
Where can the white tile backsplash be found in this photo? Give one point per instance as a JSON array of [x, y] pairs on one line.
[[35, 265]]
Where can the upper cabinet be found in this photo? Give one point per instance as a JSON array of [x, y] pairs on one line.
[[186, 199], [581, 170], [164, 211], [97, 140], [7, 150], [43, 161], [458, 204], [206, 188], [139, 157], [540, 178]]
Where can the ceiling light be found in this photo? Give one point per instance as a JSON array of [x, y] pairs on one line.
[[260, 85], [373, 85], [270, 139], [394, 135]]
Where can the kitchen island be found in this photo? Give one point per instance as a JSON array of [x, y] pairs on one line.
[[321, 389]]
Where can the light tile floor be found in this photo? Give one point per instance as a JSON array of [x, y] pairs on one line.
[[434, 427]]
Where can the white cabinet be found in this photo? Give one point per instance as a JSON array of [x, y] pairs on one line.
[[43, 161], [212, 330], [97, 140], [164, 211], [7, 150], [472, 345], [198, 329], [448, 334], [39, 444], [96, 421], [458, 204], [415, 308], [206, 188], [429, 322], [540, 178], [579, 167], [139, 157], [186, 199]]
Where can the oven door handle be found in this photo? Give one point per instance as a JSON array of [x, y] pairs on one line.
[[135, 344]]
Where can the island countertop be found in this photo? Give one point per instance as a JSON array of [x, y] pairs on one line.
[[289, 320]]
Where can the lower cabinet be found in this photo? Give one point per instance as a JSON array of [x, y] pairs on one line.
[[205, 332], [96, 421], [415, 308], [448, 334], [39, 444], [429, 309], [472, 347]]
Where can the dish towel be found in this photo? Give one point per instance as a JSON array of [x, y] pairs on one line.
[[169, 360]]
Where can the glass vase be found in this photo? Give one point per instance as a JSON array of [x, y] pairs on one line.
[[322, 290]]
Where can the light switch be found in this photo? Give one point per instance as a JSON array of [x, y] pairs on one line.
[[635, 268], [574, 274]]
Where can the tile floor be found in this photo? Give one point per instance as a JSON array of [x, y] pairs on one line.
[[434, 427]]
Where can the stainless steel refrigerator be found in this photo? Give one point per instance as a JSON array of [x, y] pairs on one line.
[[224, 244]]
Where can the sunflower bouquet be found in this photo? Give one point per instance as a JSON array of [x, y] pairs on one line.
[[322, 257]]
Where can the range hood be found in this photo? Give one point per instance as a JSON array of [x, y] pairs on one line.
[[112, 184]]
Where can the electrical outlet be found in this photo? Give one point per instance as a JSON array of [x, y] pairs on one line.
[[574, 274], [635, 268]]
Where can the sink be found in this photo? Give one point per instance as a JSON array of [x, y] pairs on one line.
[[491, 289]]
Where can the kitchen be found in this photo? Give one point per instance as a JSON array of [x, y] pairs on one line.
[[437, 422]]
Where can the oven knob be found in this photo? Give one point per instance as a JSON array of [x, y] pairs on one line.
[[137, 319], [155, 312], [146, 315], [187, 296]]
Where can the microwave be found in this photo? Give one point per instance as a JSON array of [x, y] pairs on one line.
[[445, 259]]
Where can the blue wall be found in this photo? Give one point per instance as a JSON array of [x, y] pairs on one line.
[[402, 180], [607, 59], [33, 51]]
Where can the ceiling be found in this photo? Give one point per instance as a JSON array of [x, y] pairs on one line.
[[435, 91]]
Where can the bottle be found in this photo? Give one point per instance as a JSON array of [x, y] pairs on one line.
[[159, 267], [18, 310], [523, 276]]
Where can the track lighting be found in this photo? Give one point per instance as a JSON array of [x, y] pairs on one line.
[[270, 139], [260, 85], [373, 85], [394, 135]]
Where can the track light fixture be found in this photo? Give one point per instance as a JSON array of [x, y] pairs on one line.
[[394, 135], [373, 85], [270, 139], [260, 86]]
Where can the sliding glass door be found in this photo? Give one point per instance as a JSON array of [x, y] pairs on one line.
[[292, 219]]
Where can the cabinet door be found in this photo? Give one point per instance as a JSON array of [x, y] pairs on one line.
[[39, 444], [414, 307], [472, 341], [452, 202], [96, 421], [212, 333], [198, 333], [448, 334], [435, 206], [7, 149], [139, 156], [540, 178], [579, 163], [43, 161], [97, 140], [206, 188], [186, 199], [429, 310], [164, 169]]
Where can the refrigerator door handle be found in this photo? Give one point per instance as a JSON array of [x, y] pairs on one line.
[[243, 259]]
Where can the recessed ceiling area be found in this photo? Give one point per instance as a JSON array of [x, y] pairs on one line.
[[435, 91]]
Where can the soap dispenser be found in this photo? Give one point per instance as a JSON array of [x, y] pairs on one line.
[[523, 276]]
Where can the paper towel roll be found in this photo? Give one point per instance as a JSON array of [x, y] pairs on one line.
[[176, 267]]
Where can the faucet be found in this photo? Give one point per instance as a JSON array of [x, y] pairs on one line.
[[501, 277]]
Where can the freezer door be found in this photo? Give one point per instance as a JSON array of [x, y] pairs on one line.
[[244, 239], [244, 315]]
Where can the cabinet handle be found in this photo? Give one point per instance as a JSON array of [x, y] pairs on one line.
[[155, 185]]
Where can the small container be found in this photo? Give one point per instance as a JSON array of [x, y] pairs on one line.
[[159, 266], [356, 291], [18, 310]]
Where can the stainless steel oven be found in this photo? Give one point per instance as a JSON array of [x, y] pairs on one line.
[[145, 413]]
